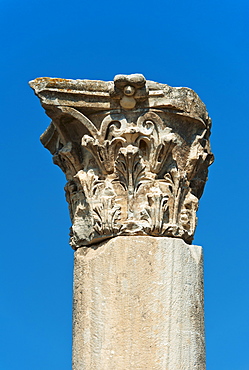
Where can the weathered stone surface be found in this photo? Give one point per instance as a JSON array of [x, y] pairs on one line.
[[135, 154], [138, 304]]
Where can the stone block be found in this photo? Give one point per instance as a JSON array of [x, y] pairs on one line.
[[138, 304]]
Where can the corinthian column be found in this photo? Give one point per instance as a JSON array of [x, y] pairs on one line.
[[135, 154]]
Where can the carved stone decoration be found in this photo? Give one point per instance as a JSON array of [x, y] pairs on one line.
[[135, 154]]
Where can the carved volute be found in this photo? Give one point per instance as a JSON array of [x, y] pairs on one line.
[[135, 154]]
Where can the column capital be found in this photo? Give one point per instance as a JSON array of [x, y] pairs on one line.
[[135, 154]]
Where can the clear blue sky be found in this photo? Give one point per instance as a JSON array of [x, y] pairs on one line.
[[198, 44]]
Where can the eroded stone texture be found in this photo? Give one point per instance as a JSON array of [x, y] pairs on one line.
[[135, 154], [138, 304]]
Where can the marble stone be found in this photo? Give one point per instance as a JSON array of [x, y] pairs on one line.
[[138, 304], [135, 154]]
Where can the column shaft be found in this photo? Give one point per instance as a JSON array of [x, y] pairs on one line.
[[138, 304]]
